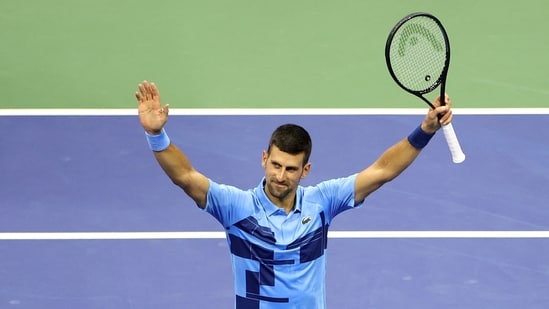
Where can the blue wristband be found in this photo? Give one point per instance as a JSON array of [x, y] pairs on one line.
[[158, 142], [419, 138]]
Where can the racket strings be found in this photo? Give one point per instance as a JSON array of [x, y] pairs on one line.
[[417, 54]]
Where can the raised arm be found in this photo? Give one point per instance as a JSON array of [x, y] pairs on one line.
[[153, 116], [399, 156]]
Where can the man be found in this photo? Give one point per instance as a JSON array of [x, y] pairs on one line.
[[277, 231]]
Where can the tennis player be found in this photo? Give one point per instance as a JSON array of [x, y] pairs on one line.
[[277, 231]]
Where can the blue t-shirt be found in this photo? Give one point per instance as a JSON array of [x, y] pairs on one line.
[[279, 259]]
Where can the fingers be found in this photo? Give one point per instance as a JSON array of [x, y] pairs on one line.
[[140, 95], [148, 92], [442, 113], [144, 89], [155, 94], [447, 101]]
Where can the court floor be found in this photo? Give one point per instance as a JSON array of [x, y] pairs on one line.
[[88, 220]]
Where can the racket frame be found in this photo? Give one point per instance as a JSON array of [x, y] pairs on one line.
[[441, 79], [455, 149]]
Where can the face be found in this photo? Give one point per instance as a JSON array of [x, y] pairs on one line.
[[283, 171]]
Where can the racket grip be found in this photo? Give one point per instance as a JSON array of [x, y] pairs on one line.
[[455, 149]]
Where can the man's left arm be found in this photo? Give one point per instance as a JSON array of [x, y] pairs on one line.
[[399, 156]]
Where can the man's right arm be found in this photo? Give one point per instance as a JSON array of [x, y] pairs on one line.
[[178, 167], [173, 161]]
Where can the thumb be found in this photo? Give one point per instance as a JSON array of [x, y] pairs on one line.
[[166, 109]]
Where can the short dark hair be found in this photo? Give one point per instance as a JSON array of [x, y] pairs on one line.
[[292, 139]]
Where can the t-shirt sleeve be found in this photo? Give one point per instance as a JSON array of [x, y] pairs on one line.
[[227, 204], [339, 194]]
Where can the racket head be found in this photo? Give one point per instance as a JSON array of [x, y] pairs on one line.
[[417, 53]]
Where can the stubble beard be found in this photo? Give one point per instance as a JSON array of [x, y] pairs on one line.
[[280, 193]]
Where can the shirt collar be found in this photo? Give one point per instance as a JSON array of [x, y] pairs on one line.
[[271, 208]]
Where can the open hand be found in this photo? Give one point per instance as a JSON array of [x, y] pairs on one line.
[[152, 115]]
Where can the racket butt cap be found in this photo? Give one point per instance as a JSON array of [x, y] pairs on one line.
[[458, 159]]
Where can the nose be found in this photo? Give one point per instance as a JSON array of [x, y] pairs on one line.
[[280, 175]]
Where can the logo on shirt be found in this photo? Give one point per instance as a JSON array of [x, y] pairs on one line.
[[306, 220]]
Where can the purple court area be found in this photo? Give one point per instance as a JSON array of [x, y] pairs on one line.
[[96, 174]]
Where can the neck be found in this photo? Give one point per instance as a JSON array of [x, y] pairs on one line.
[[288, 205]]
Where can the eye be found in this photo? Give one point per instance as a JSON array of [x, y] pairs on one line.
[[291, 169]]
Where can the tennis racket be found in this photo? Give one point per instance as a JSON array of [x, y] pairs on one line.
[[418, 56]]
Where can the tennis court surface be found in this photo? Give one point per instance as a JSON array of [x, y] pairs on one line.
[[88, 219]]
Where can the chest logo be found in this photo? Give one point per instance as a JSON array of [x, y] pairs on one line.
[[306, 220]]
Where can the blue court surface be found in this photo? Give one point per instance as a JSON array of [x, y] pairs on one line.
[[82, 198]]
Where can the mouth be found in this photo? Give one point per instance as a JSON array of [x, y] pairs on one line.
[[279, 184]]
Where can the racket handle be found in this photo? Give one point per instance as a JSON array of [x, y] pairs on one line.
[[455, 149]]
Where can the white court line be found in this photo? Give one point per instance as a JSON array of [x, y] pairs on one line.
[[269, 111], [221, 235]]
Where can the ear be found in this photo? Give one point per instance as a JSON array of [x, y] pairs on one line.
[[264, 158], [306, 170]]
